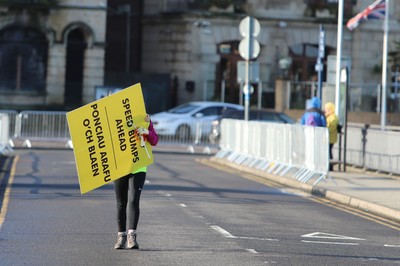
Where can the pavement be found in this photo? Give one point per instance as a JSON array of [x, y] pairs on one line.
[[372, 192]]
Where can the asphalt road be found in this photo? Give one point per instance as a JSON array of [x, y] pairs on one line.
[[191, 214]]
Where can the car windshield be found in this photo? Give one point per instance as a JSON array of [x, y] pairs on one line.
[[288, 119], [260, 116], [234, 114], [183, 109]]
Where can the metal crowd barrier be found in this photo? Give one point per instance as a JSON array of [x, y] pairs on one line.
[[301, 152], [50, 129], [42, 126], [192, 137]]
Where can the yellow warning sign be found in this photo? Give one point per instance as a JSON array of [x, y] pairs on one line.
[[106, 146]]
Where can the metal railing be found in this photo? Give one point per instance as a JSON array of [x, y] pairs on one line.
[[369, 147], [36, 125], [50, 129]]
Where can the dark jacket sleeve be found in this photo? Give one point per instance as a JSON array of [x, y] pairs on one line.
[[152, 137]]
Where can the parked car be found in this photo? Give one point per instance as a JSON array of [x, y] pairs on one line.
[[183, 120], [254, 115]]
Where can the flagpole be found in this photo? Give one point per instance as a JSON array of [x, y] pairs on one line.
[[384, 66], [339, 58]]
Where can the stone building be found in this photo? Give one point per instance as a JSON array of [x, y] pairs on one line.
[[54, 53], [197, 43], [51, 52]]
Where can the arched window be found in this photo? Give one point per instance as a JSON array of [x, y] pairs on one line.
[[23, 59]]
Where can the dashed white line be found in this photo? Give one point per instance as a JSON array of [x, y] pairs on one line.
[[330, 236], [168, 195], [182, 205], [256, 238], [229, 235], [251, 250], [391, 246], [222, 231], [332, 243]]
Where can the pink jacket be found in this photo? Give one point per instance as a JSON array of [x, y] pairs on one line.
[[152, 137]]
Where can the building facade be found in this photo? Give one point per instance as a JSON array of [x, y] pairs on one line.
[[198, 44], [51, 52], [54, 53]]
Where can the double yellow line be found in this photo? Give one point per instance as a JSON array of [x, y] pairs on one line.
[[7, 192]]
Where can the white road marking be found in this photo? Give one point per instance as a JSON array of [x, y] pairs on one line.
[[332, 243], [251, 251], [229, 235], [256, 238], [147, 182], [222, 231], [330, 236], [391, 246], [182, 205], [168, 195]]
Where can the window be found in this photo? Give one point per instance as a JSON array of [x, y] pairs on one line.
[[23, 59], [211, 111]]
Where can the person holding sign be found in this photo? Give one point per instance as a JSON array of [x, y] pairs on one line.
[[128, 190]]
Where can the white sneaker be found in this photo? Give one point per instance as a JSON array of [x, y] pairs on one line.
[[121, 241], [132, 243]]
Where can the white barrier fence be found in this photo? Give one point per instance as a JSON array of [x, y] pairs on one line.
[[301, 152], [4, 133]]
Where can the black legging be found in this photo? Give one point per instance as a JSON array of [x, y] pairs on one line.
[[330, 150], [131, 184]]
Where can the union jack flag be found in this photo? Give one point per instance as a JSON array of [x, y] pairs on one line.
[[374, 11]]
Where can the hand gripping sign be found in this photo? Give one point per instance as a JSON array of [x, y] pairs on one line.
[[106, 146]]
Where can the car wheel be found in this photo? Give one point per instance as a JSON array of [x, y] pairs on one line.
[[183, 132]]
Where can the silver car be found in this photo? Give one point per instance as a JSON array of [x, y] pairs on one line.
[[189, 119]]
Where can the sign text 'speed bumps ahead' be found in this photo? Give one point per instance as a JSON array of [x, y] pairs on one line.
[[106, 146]]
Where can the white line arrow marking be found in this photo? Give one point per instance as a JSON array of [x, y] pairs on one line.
[[332, 243], [330, 236], [229, 235]]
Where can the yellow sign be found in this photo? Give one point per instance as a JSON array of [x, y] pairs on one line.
[[106, 146]]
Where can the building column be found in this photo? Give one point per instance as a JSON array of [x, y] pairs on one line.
[[282, 95], [93, 72], [56, 75]]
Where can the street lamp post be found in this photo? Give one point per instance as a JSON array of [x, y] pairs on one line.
[[344, 78]]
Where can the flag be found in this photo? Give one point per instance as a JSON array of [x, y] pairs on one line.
[[374, 11]]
